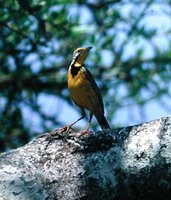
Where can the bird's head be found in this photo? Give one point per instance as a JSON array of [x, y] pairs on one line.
[[80, 54]]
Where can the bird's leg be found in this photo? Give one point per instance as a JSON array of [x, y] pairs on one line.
[[67, 127], [64, 130], [86, 131]]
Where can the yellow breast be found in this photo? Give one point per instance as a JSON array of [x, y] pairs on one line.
[[82, 92]]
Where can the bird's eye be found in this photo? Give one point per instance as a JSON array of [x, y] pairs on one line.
[[79, 51]]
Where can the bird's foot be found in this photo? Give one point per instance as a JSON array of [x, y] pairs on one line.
[[64, 129], [84, 132], [59, 132]]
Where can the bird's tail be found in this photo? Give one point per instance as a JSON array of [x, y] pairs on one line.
[[102, 122]]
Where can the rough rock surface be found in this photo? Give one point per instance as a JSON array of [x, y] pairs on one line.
[[126, 163]]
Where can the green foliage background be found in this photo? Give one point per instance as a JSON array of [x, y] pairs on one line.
[[37, 39]]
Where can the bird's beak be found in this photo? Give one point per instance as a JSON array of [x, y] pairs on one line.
[[89, 48]]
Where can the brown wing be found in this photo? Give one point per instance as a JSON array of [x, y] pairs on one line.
[[91, 80]]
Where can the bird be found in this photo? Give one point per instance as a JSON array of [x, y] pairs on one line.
[[84, 91]]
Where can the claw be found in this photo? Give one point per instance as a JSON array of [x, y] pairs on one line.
[[84, 132], [65, 129]]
